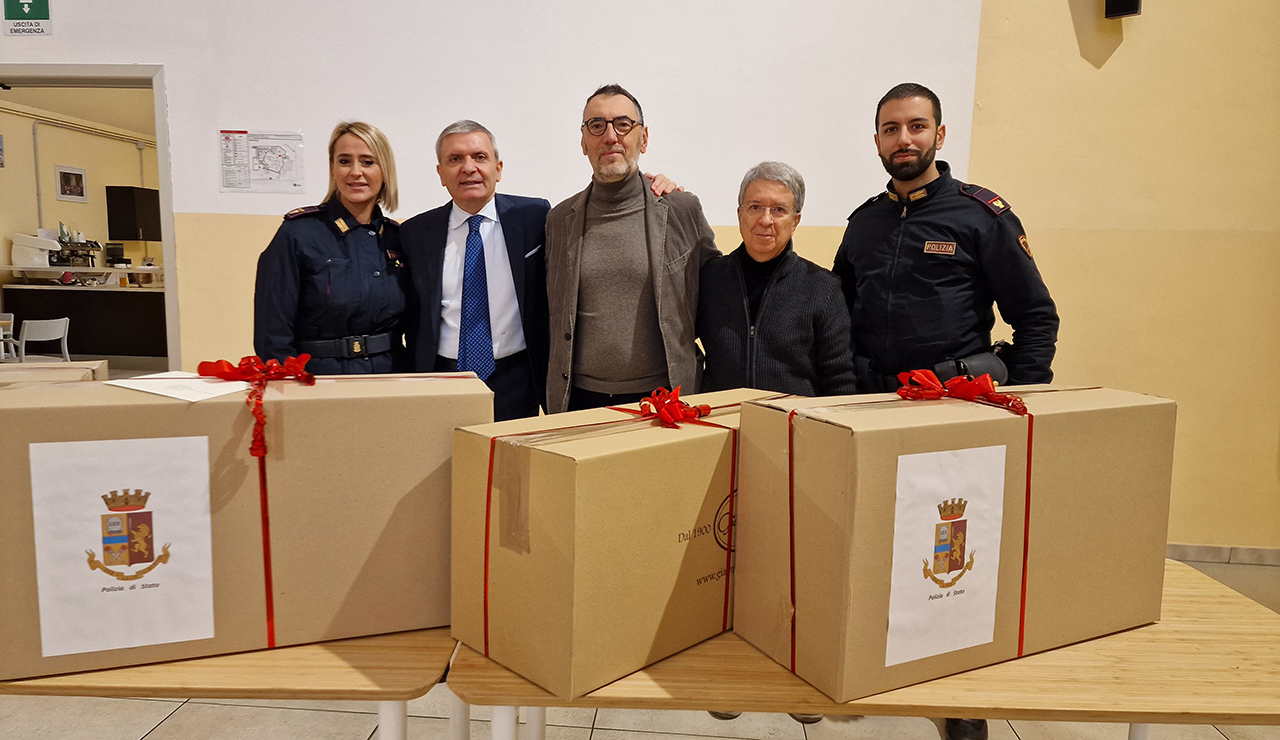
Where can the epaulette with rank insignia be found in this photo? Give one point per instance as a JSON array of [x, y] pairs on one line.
[[989, 199], [304, 211], [870, 200]]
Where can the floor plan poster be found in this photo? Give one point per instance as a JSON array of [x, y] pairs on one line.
[[261, 162], [123, 543]]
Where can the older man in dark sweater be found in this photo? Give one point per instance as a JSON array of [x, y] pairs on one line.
[[622, 271], [767, 317]]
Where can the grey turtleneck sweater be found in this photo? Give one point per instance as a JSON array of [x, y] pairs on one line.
[[617, 342]]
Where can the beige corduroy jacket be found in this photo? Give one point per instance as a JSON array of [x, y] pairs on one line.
[[680, 241]]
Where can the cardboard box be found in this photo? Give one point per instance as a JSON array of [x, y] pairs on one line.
[[599, 546], [898, 554], [51, 372], [358, 479]]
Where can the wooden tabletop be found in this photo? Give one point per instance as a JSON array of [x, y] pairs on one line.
[[395, 667], [1214, 658]]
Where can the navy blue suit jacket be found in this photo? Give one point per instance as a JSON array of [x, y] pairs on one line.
[[524, 229]]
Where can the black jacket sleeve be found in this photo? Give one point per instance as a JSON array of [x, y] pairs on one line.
[[1022, 297]]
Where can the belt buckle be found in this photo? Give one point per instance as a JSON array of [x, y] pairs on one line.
[[357, 346]]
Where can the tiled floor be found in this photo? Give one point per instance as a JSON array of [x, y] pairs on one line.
[[25, 717]]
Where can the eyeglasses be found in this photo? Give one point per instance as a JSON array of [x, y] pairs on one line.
[[622, 125], [756, 210]]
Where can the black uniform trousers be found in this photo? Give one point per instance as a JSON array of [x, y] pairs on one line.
[[515, 395]]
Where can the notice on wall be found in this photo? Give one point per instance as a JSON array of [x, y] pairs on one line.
[[946, 552], [124, 552], [27, 18], [260, 162]]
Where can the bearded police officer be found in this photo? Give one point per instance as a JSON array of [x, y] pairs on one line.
[[922, 263]]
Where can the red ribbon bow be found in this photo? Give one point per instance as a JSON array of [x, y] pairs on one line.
[[923, 385], [667, 407], [256, 373]]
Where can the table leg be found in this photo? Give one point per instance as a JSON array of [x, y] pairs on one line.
[[1139, 732], [505, 724], [535, 723], [393, 720], [459, 718]]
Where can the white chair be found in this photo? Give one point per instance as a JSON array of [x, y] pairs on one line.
[[43, 330], [6, 336]]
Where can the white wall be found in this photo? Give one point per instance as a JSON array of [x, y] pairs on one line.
[[724, 84]]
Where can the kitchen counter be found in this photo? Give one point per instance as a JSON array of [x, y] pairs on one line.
[[105, 320]]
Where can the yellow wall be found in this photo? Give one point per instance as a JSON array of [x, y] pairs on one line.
[[1142, 156], [1157, 234], [105, 161]]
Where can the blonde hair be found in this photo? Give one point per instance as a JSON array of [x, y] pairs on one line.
[[389, 196]]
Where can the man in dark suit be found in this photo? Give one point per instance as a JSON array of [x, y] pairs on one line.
[[479, 298]]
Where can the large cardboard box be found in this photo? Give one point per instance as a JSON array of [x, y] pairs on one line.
[[12, 373], [884, 542], [355, 525], [587, 545]]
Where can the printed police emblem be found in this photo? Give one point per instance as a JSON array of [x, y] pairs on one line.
[[127, 536], [949, 545]]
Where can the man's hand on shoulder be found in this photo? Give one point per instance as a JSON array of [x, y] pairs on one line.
[[661, 184]]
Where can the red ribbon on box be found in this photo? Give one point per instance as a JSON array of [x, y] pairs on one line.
[[662, 406], [923, 385], [257, 374]]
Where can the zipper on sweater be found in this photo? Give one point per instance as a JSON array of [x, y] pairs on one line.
[[751, 327], [764, 298]]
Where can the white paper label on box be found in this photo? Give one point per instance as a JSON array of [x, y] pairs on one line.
[[946, 552], [124, 553], [182, 386]]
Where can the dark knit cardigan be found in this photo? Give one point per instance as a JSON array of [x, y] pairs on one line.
[[800, 343]]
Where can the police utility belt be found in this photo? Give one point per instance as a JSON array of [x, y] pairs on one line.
[[348, 348]]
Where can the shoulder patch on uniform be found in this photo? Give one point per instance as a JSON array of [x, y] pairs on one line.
[[987, 198], [870, 200], [304, 211]]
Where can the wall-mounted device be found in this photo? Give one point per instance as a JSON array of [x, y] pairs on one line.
[[1122, 8]]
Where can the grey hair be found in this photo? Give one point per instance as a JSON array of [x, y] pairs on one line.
[[465, 126], [777, 172]]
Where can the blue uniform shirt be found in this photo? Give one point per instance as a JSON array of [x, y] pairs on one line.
[[327, 276]]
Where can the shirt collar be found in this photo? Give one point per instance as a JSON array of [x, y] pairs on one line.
[[924, 191], [458, 217]]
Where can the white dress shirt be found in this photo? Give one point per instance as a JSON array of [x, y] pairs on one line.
[[504, 309]]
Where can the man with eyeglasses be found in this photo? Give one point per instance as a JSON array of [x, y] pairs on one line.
[[767, 317], [622, 271], [923, 262]]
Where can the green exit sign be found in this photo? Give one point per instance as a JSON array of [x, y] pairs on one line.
[[26, 18]]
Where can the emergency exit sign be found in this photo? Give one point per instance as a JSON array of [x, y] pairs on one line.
[[26, 18]]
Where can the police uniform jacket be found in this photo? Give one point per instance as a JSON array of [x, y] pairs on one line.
[[799, 341], [327, 276], [920, 275]]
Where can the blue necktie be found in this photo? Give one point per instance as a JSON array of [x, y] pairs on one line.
[[475, 338]]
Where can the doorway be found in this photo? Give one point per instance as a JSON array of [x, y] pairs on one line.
[[84, 149]]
